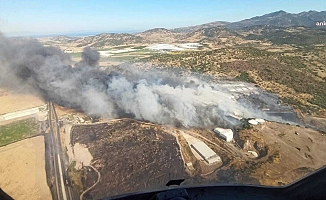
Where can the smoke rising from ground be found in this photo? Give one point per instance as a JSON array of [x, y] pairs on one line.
[[28, 66]]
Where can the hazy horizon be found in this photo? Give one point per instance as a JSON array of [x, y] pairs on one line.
[[44, 18]]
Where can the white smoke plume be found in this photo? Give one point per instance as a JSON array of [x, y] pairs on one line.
[[159, 97]]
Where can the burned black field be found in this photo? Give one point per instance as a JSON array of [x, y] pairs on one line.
[[130, 156]]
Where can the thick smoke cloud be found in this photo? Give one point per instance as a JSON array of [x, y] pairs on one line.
[[28, 66], [90, 57]]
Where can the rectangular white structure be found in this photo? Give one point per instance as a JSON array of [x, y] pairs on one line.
[[226, 134], [206, 153], [21, 113], [164, 47]]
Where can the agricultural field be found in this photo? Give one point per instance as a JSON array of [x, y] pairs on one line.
[[22, 169], [11, 102], [18, 130], [120, 54]]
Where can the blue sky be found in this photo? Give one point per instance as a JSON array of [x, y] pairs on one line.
[[68, 16]]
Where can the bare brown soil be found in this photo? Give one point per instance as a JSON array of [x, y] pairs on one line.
[[317, 122], [61, 111], [22, 169], [11, 102], [286, 153]]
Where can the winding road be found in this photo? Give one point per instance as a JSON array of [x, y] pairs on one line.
[[98, 180]]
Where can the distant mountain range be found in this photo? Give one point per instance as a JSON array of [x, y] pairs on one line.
[[275, 22], [278, 27], [201, 26], [277, 19], [282, 19]]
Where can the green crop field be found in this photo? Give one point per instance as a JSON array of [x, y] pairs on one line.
[[18, 130], [76, 54]]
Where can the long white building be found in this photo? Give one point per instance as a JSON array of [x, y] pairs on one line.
[[206, 153], [21, 113]]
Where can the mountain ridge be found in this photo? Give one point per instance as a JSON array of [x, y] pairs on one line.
[[282, 19]]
